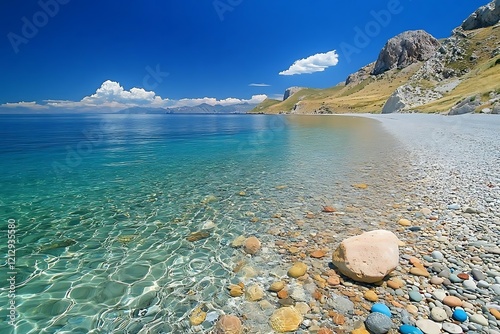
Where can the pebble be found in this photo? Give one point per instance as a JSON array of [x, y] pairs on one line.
[[452, 301], [479, 319], [454, 206], [445, 273], [378, 323], [404, 222], [437, 255], [407, 329], [381, 308], [298, 294], [439, 294], [371, 296], [298, 269], [437, 280], [495, 313], [395, 283], [454, 278], [428, 326], [478, 275], [452, 328], [483, 284], [469, 285], [459, 315], [277, 286], [415, 296], [419, 272], [412, 309], [438, 314]]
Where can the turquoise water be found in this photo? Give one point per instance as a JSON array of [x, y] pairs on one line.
[[103, 204]]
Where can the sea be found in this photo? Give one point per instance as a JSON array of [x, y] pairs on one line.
[[123, 223]]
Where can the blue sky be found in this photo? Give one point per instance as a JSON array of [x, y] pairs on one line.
[[86, 53]]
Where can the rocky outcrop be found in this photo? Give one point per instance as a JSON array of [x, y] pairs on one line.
[[362, 74], [407, 97], [290, 91], [466, 106], [367, 257], [396, 103], [404, 50], [484, 16]]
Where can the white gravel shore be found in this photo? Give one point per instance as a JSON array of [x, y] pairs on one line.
[[455, 169], [459, 155]]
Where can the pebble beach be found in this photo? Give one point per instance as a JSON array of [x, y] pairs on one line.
[[441, 199]]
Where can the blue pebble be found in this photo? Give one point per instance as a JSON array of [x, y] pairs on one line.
[[381, 308], [459, 315], [407, 329]]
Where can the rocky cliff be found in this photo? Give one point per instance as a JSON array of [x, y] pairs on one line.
[[404, 50]]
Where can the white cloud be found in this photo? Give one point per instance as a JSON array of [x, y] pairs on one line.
[[30, 105], [259, 85], [315, 63], [111, 95]]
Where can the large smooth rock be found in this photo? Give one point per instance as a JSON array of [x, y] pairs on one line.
[[405, 49], [368, 257]]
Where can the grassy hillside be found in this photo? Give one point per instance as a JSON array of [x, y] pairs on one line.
[[369, 95], [484, 76], [366, 96]]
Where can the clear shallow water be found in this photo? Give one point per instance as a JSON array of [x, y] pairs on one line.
[[103, 205]]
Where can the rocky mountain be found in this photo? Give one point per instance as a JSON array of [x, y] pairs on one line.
[[199, 109], [415, 72], [290, 91]]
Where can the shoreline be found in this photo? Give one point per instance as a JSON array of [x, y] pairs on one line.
[[450, 198]]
